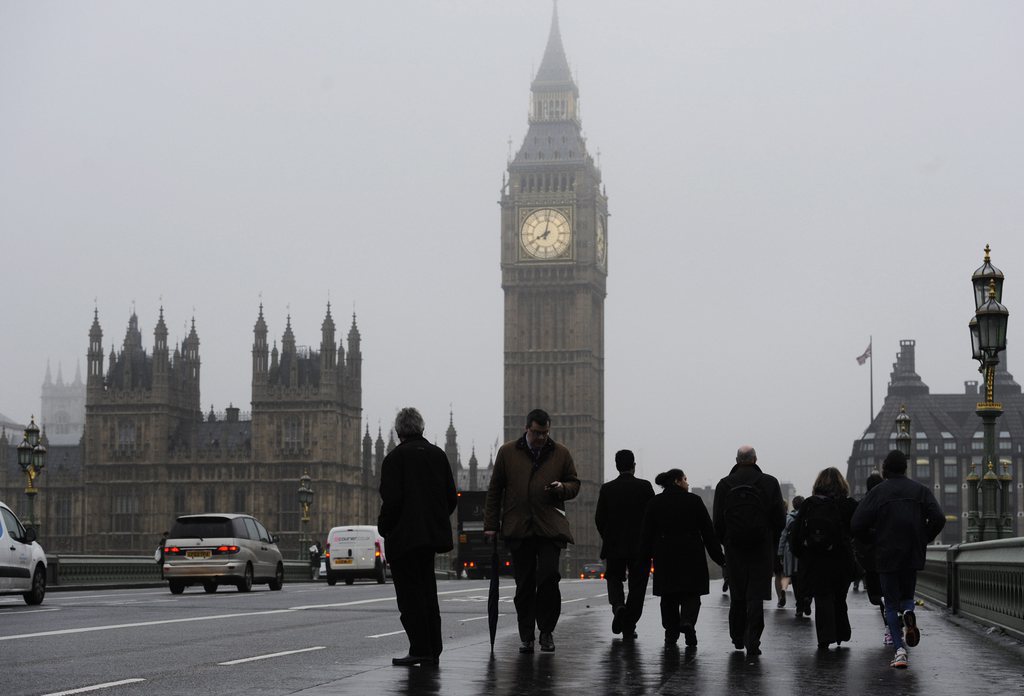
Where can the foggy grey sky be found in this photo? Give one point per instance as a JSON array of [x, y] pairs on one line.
[[784, 179]]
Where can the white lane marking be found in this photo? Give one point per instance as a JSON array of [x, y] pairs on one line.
[[95, 687], [30, 611], [477, 618], [308, 607], [381, 635], [570, 601], [267, 657]]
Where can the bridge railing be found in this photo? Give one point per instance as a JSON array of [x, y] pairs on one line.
[[983, 581], [73, 570]]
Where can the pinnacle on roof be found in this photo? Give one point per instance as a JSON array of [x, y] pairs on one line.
[[554, 67]]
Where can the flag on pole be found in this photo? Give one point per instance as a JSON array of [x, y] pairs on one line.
[[863, 357]]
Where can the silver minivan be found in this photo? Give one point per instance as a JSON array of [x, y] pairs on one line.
[[355, 551], [22, 560], [221, 549]]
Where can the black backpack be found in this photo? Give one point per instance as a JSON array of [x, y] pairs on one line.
[[745, 518], [821, 526]]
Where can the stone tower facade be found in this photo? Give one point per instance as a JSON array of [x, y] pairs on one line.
[[62, 407], [149, 454], [554, 266]]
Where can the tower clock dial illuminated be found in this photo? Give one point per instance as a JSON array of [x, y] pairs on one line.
[[546, 234]]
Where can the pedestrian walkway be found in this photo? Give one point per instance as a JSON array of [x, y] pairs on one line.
[[953, 658]]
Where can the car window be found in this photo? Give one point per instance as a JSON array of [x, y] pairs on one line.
[[241, 532], [12, 524], [251, 531], [202, 527], [264, 534]]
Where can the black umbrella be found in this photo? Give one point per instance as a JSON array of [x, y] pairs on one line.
[[492, 594]]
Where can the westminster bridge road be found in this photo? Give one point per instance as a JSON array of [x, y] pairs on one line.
[[315, 640]]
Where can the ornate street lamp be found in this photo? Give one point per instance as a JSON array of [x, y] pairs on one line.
[[903, 431], [305, 500], [32, 459], [988, 340]]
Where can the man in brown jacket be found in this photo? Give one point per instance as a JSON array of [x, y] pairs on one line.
[[532, 478]]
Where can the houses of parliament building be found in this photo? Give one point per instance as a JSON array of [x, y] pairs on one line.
[[148, 453]]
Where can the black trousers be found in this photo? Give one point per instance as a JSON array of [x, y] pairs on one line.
[[678, 610], [615, 573], [416, 593], [831, 616], [750, 584], [538, 600]]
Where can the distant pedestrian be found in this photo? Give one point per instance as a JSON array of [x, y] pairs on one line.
[[532, 478], [865, 555], [790, 563], [749, 517], [314, 559], [159, 555], [677, 531], [418, 496], [620, 513], [901, 517], [780, 590], [821, 540]]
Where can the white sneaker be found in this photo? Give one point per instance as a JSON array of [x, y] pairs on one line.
[[900, 661]]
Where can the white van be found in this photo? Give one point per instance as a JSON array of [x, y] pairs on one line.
[[355, 551], [22, 560]]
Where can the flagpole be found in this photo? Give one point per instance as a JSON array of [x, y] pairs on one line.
[[871, 377]]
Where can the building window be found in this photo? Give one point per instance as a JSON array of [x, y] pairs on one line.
[[126, 506], [922, 469], [949, 445], [867, 447], [180, 508], [61, 525], [950, 471], [922, 445], [126, 433], [1005, 445], [292, 433], [951, 501], [977, 445]]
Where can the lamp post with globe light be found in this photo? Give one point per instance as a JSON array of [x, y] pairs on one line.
[[988, 339], [32, 459]]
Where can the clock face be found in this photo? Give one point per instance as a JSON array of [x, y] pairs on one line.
[[602, 252], [545, 234]]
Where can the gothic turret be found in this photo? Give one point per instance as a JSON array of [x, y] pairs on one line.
[[328, 351], [354, 363], [260, 352], [451, 447]]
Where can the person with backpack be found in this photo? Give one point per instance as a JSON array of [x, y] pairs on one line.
[[901, 517], [749, 515], [864, 552], [821, 540]]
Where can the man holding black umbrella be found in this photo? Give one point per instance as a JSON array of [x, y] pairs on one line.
[[418, 495], [531, 480]]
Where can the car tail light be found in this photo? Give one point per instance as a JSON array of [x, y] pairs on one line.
[[602, 576], [225, 550], [508, 563], [472, 564], [172, 551], [583, 576], [376, 549], [327, 554]]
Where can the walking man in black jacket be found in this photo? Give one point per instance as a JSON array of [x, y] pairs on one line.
[[418, 495], [900, 517], [619, 516], [749, 517]]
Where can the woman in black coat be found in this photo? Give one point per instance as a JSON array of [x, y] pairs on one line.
[[826, 564], [676, 532]]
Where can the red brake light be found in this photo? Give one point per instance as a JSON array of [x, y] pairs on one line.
[[171, 550], [582, 576], [376, 549], [226, 549]]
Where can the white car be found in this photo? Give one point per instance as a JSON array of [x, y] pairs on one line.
[[221, 549], [22, 559]]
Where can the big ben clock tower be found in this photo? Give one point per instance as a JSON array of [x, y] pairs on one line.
[[554, 264]]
